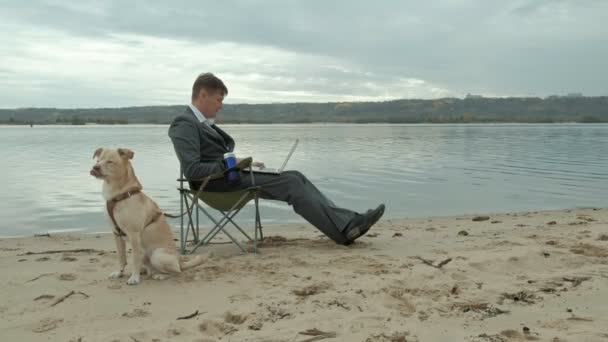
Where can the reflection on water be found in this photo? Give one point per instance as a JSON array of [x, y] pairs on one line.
[[417, 170]]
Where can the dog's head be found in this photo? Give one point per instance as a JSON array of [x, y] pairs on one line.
[[111, 163]]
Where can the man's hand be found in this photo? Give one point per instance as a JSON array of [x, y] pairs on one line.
[[255, 164]]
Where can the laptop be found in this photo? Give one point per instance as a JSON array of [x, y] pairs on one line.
[[279, 170]]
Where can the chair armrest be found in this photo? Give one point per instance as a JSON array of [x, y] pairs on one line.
[[244, 163], [241, 165], [212, 177]]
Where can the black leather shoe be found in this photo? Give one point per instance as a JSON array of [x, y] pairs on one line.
[[362, 223]]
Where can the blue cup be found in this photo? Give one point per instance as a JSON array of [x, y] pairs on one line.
[[230, 161]]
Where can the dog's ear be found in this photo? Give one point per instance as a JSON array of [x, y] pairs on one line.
[[97, 152], [126, 153]]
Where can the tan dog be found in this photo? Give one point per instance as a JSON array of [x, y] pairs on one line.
[[135, 216]]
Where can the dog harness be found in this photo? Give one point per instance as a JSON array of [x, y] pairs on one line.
[[112, 203]]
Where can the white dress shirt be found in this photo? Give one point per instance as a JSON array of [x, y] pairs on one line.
[[201, 117]]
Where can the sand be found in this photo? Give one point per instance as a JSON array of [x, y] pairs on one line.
[[511, 277]]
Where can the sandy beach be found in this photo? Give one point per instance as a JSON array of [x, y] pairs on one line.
[[504, 277]]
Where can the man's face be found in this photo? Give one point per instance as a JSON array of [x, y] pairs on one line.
[[211, 102]]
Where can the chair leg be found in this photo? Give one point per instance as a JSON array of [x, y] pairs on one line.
[[212, 230], [189, 225], [223, 221], [258, 220], [238, 227], [257, 225], [190, 208], [182, 241], [197, 224], [190, 221], [219, 226]]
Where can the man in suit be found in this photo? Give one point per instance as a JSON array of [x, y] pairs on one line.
[[200, 146]]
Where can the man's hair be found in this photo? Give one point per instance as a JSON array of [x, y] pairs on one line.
[[209, 82]]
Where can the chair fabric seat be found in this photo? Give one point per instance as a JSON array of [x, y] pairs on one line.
[[225, 200]]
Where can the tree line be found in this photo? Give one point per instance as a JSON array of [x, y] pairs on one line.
[[446, 110]]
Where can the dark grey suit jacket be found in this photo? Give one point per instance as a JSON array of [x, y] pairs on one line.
[[199, 148]]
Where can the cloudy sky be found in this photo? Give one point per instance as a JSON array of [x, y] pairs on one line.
[[113, 53]]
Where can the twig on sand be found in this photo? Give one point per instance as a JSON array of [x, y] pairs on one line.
[[82, 250], [192, 315], [425, 261], [44, 296], [444, 262], [430, 262], [61, 299], [576, 281], [318, 335], [40, 276], [230, 331]]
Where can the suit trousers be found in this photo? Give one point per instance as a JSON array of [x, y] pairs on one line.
[[295, 189]]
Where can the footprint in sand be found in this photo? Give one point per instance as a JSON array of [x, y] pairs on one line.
[[590, 250], [235, 318], [67, 277], [399, 299], [43, 259], [213, 328], [522, 297], [173, 332], [510, 335], [136, 313], [311, 290], [68, 258], [256, 325], [394, 337], [46, 324], [239, 298]]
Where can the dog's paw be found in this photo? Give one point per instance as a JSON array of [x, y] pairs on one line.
[[159, 276], [133, 279], [115, 275]]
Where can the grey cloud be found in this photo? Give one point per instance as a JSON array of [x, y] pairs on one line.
[[524, 47]]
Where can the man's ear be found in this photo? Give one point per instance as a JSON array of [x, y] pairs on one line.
[[203, 93], [97, 152], [126, 153]]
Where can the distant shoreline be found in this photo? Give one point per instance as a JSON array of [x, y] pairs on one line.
[[406, 111], [3, 124]]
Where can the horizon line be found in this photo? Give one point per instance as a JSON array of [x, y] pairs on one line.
[[468, 97]]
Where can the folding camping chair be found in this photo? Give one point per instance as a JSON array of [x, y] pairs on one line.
[[229, 204]]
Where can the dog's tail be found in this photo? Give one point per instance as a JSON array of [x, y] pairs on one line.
[[193, 262]]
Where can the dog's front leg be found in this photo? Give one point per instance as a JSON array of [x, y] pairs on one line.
[[121, 248], [138, 258]]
